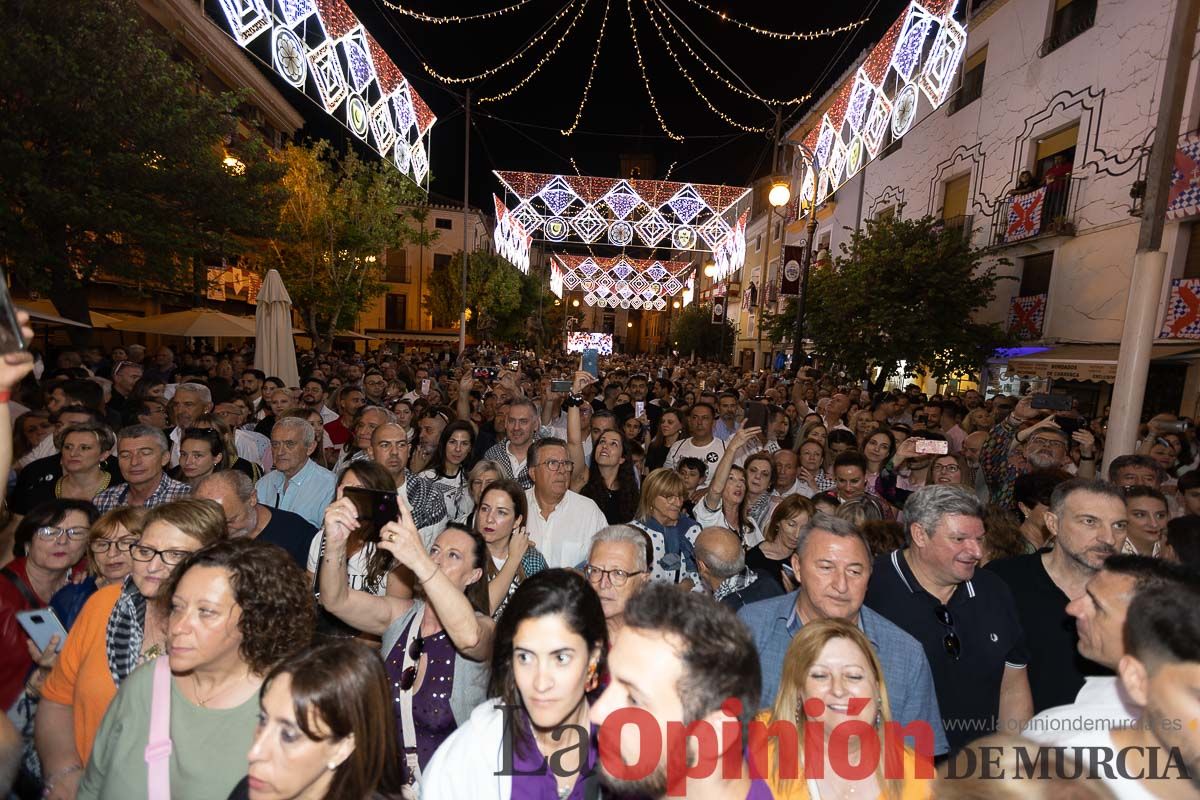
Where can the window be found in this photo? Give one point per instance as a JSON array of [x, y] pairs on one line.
[[776, 234], [441, 223], [395, 312], [396, 266], [758, 243], [954, 199], [442, 260], [1191, 266], [1056, 144], [972, 81], [887, 212], [1071, 18], [1035, 274]]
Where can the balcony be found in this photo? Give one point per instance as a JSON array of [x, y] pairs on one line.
[[1069, 21], [1043, 212], [961, 225], [1026, 316]]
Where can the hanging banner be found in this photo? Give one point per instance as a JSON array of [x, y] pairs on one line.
[[718, 310], [1183, 310], [1183, 199], [793, 259]]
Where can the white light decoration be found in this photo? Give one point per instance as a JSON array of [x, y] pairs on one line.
[[729, 257], [512, 241], [620, 282], [321, 48], [919, 55], [628, 213], [556, 279]]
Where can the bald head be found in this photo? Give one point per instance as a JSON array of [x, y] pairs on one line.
[[389, 449], [719, 555], [972, 446]]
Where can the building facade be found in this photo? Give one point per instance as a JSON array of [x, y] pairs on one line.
[[1039, 155]]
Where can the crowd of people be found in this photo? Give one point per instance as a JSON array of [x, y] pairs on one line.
[[500, 576]]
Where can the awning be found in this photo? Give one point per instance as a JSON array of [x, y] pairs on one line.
[[416, 337], [45, 311], [1088, 362]]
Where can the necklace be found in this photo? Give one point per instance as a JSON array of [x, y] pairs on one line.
[[205, 701], [105, 480]]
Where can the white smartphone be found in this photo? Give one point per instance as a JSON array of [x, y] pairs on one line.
[[639, 409], [41, 624], [425, 386]]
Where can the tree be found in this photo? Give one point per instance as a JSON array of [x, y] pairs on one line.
[[111, 156], [494, 289], [339, 215], [695, 332], [904, 290]]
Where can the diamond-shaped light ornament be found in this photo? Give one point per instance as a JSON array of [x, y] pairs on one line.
[[622, 270], [660, 304], [622, 201], [656, 272], [558, 195], [420, 161], [588, 224], [672, 286], [686, 204], [652, 228]]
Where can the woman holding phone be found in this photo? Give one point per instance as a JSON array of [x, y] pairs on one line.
[[436, 644]]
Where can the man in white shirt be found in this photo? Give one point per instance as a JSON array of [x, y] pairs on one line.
[[190, 401], [1100, 616], [561, 522], [1160, 672], [702, 444]]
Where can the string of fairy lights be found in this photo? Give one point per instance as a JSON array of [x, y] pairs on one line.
[[660, 14], [587, 87], [545, 59]]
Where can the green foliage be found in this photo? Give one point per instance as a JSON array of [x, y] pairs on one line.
[[495, 290], [110, 158], [695, 332], [903, 290], [339, 216]]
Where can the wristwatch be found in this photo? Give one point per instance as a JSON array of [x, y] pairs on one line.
[[572, 400]]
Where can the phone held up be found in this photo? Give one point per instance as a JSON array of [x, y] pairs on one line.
[[11, 340], [931, 447], [589, 362], [756, 415], [560, 387], [41, 624], [1053, 402], [374, 508]]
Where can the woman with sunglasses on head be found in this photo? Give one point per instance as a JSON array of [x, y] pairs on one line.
[[228, 434], [449, 467], [324, 729], [109, 561], [119, 628], [436, 644], [201, 453], [549, 654]]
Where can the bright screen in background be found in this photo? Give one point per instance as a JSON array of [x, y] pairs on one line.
[[578, 341]]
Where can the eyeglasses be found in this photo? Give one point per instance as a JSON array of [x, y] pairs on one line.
[[1042, 441], [950, 642], [50, 533], [555, 465], [409, 676], [104, 545], [617, 577], [144, 554], [284, 445], [946, 468]]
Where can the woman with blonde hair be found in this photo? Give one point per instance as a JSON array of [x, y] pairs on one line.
[[829, 665], [672, 533], [109, 540]]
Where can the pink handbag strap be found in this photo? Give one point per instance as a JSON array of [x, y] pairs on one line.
[[158, 749]]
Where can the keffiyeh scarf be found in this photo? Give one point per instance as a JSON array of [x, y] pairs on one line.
[[126, 629]]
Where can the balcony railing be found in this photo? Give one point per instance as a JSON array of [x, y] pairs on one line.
[[1027, 316], [1048, 210], [1082, 21]]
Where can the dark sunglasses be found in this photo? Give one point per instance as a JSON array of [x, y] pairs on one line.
[[409, 676], [950, 641]]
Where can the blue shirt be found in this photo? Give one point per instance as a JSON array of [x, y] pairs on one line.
[[306, 494], [906, 671]]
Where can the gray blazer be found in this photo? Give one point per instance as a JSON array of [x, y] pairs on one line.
[[470, 677]]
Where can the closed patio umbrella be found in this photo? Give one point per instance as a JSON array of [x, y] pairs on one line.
[[274, 345]]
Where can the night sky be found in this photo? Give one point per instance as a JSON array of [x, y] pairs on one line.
[[521, 132]]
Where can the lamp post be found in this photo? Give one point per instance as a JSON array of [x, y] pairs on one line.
[[798, 346]]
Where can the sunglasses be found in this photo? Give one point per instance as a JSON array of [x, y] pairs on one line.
[[950, 641], [409, 676]]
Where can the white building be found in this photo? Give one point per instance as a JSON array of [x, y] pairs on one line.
[[1076, 80]]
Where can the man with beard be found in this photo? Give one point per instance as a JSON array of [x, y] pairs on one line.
[[1087, 520], [680, 658], [1039, 446], [1160, 671]]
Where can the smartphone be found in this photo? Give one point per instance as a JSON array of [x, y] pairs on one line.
[[41, 624], [11, 340], [514, 365], [639, 409], [590, 362], [375, 508], [756, 415], [932, 447], [1054, 402], [425, 386], [1069, 424], [560, 386]]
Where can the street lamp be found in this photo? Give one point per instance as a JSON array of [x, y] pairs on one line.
[[710, 269], [779, 196], [675, 305], [781, 191], [575, 302], [811, 208]]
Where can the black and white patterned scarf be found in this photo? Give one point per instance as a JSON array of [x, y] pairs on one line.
[[425, 499], [126, 631], [735, 583]]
